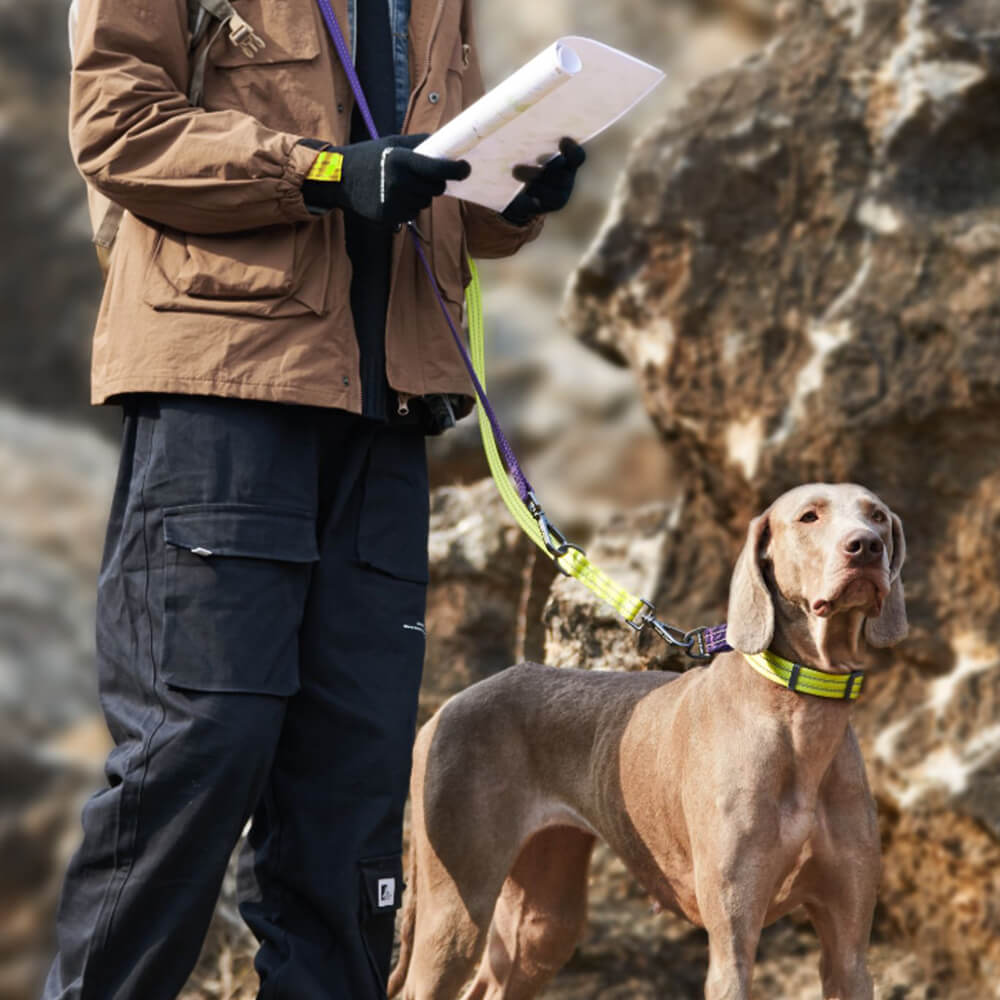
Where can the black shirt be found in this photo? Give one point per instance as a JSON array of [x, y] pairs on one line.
[[369, 245]]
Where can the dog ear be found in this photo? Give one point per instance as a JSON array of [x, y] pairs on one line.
[[750, 625], [891, 625]]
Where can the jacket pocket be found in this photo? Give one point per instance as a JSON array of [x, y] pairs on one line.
[[381, 896], [272, 271], [284, 84], [288, 31], [235, 583]]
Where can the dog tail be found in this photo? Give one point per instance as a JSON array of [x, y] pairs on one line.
[[406, 927]]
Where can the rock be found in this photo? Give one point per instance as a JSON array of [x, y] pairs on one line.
[[49, 279], [44, 787], [55, 489], [801, 269], [486, 592], [580, 426], [55, 485], [646, 552]]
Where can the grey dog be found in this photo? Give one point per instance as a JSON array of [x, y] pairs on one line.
[[730, 798]]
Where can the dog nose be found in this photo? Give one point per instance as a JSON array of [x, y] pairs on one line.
[[863, 547]]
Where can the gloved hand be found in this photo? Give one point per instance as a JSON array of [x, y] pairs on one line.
[[547, 188], [383, 179]]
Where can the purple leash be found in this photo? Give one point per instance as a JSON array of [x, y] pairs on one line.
[[701, 643]]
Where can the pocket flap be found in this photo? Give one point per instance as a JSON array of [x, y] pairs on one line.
[[242, 530], [288, 32]]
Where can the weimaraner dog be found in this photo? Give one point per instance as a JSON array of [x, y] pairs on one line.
[[731, 798]]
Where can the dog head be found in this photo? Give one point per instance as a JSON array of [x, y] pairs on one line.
[[823, 550]]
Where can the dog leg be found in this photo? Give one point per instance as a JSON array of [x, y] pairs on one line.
[[732, 944], [446, 943], [843, 923], [538, 918], [733, 894], [843, 877]]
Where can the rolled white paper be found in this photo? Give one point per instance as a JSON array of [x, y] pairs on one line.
[[576, 87], [522, 90]]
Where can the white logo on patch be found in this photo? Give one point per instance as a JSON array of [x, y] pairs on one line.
[[418, 627], [386, 892]]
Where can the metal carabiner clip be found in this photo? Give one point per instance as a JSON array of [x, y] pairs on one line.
[[671, 634], [555, 541]]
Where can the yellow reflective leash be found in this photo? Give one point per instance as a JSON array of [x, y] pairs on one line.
[[571, 559]]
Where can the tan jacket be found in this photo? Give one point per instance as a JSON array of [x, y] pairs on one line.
[[222, 283]]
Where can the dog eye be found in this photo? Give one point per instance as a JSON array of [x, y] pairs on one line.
[[878, 515], [809, 516]]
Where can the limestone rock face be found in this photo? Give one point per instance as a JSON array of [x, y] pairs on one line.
[[647, 552], [49, 279], [802, 269], [486, 591], [55, 485]]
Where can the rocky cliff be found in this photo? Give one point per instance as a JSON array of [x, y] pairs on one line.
[[802, 271], [797, 278]]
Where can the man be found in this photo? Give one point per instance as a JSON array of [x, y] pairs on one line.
[[279, 355]]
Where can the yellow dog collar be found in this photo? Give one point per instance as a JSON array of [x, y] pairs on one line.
[[806, 680]]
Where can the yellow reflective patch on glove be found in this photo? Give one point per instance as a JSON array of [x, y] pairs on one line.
[[326, 167]]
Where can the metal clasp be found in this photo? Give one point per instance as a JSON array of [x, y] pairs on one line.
[[692, 642], [697, 647], [555, 540], [671, 634]]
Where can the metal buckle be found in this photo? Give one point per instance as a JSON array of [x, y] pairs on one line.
[[697, 648], [413, 227]]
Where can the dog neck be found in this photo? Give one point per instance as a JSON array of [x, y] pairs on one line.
[[832, 644], [816, 726]]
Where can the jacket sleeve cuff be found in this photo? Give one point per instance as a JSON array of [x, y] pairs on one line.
[[490, 235], [298, 162]]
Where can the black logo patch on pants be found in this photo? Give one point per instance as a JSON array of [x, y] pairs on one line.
[[381, 895]]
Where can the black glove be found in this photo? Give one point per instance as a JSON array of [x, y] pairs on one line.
[[547, 188], [383, 179]]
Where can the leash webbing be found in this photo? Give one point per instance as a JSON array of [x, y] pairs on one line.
[[514, 487], [573, 561]]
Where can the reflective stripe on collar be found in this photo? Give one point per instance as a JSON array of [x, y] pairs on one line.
[[806, 680]]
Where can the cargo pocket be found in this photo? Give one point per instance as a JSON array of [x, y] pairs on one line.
[[381, 896], [284, 85], [275, 271], [392, 527], [236, 578]]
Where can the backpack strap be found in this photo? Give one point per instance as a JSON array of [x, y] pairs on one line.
[[241, 33]]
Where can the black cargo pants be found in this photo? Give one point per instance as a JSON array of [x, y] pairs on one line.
[[260, 643]]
